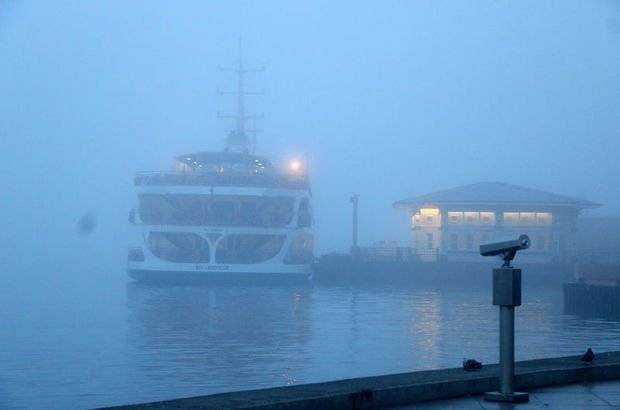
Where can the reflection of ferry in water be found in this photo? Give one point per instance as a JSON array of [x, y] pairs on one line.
[[227, 214]]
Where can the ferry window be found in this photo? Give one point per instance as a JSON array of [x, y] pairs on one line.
[[301, 250], [304, 219], [170, 209], [248, 248], [179, 247], [219, 210]]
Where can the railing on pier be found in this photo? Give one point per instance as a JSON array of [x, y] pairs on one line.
[[393, 254], [284, 181], [598, 256]]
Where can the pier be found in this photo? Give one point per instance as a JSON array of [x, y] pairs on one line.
[[430, 387]]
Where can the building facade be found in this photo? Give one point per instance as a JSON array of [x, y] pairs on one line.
[[451, 224]]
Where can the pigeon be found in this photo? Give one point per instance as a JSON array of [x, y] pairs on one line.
[[588, 356], [471, 365]]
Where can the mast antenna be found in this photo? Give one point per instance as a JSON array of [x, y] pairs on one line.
[[238, 139]]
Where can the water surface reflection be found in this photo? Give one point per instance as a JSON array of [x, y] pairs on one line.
[[220, 337], [126, 342]]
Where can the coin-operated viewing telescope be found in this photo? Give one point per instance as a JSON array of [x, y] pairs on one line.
[[506, 295], [507, 249]]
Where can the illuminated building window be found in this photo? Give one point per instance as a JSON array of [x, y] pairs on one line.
[[487, 218], [455, 217], [527, 218], [429, 211], [543, 218], [511, 218], [426, 217], [471, 218]]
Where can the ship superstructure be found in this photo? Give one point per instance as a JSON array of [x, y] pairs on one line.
[[223, 214]]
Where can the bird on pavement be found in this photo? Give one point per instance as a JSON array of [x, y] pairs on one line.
[[588, 356], [471, 364]]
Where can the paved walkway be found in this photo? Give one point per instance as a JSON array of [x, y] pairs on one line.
[[599, 395]]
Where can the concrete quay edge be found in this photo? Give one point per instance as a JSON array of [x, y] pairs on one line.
[[401, 389]]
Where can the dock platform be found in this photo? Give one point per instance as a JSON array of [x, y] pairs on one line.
[[405, 389]]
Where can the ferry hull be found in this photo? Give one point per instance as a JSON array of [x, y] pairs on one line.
[[172, 277]]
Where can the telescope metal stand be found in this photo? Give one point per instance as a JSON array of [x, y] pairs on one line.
[[507, 295]]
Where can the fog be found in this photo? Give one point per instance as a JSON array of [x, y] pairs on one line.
[[383, 99]]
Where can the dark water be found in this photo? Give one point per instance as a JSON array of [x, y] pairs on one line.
[[72, 344]]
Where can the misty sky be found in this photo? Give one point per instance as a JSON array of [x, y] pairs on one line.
[[384, 99]]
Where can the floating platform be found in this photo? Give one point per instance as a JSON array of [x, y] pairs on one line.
[[589, 300], [596, 293]]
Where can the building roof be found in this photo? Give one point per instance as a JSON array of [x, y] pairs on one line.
[[495, 193]]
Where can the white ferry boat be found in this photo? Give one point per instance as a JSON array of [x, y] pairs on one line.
[[223, 215]]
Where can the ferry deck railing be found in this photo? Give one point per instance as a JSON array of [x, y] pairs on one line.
[[271, 180]]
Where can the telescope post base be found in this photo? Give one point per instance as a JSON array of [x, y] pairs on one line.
[[516, 397]]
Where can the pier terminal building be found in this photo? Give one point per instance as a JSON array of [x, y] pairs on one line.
[[450, 225]]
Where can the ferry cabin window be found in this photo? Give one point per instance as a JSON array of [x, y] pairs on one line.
[[179, 247], [304, 219], [248, 248], [219, 210]]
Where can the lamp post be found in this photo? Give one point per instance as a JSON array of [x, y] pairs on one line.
[[354, 199]]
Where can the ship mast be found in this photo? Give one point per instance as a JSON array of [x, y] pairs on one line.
[[238, 140]]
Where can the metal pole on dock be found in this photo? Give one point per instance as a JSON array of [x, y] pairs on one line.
[[507, 348], [506, 295]]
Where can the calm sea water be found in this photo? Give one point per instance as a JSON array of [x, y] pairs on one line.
[[74, 343]]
